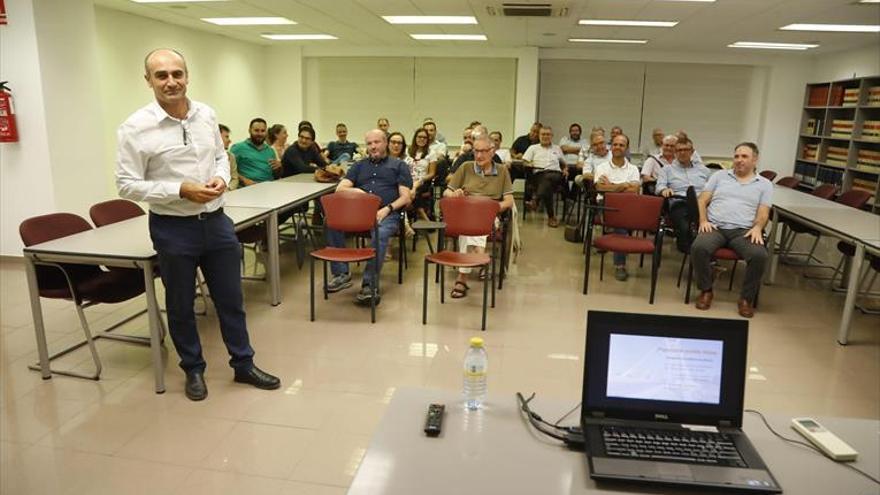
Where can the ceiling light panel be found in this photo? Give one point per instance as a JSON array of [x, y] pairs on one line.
[[628, 23], [449, 37], [612, 41], [834, 28], [248, 21], [298, 37], [430, 19], [772, 46]]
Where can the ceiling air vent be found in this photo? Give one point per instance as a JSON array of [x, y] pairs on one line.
[[528, 10]]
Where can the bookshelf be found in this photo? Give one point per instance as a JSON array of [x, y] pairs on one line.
[[839, 136]]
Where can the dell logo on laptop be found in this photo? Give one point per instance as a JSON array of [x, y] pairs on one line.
[[660, 416]]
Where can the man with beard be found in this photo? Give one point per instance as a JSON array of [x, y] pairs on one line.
[[256, 159]]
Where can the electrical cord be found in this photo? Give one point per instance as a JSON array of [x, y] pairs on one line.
[[574, 440], [810, 446], [569, 429], [560, 420]]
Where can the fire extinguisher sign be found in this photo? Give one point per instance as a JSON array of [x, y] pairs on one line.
[[8, 130]]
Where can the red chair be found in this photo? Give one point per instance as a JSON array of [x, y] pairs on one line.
[[350, 213], [790, 182], [631, 212], [471, 216], [85, 285], [768, 174]]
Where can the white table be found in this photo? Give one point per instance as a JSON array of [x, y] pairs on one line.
[[123, 244], [278, 196], [495, 451], [860, 228]]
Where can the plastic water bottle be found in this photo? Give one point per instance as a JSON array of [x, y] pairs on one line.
[[476, 365]]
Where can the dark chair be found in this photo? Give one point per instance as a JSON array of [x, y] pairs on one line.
[[85, 285], [634, 213], [470, 216], [790, 182], [768, 174], [714, 166], [350, 213], [117, 210], [854, 198], [721, 254]]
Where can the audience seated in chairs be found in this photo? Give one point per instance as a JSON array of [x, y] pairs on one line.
[[423, 166], [303, 156], [390, 179], [673, 182], [481, 177], [618, 175], [342, 150], [734, 208], [255, 158], [549, 171], [653, 164]]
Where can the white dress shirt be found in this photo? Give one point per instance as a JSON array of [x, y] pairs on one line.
[[618, 175], [156, 153], [543, 159]]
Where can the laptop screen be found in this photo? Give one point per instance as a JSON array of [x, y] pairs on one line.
[[665, 368]]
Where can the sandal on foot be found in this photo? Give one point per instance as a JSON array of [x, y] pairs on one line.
[[459, 290], [482, 274]]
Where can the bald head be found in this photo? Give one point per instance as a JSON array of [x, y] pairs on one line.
[[377, 144], [162, 52]]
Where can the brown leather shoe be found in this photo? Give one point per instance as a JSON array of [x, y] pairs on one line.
[[553, 222], [704, 302], [745, 308]]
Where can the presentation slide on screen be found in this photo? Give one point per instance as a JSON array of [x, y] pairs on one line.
[[664, 368]]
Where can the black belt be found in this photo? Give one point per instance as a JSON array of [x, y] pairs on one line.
[[201, 216]]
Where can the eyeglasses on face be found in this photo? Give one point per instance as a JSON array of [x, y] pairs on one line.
[[683, 150]]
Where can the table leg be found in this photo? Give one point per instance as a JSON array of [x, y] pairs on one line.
[[771, 248], [37, 310], [153, 316], [852, 291], [274, 270]]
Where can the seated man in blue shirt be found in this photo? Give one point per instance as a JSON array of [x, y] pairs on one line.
[[386, 177], [673, 182], [734, 208]]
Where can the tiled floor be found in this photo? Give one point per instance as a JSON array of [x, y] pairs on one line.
[[71, 436]]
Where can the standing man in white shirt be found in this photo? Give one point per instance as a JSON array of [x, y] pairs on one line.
[[170, 155], [548, 169], [618, 175]]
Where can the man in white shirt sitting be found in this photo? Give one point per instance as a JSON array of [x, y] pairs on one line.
[[549, 170], [618, 175], [653, 147], [590, 158], [654, 163], [502, 153]]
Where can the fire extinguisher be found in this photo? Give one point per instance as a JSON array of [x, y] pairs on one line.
[[8, 129]]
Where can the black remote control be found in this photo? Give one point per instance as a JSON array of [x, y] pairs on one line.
[[434, 420]]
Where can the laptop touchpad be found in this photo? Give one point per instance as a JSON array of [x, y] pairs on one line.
[[671, 470], [632, 468]]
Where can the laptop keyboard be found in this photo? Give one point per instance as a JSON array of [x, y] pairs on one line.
[[678, 446]]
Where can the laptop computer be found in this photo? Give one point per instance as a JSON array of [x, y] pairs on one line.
[[663, 402]]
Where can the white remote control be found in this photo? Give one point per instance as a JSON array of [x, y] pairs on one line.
[[828, 442]]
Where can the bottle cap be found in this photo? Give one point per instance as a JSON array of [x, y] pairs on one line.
[[476, 342]]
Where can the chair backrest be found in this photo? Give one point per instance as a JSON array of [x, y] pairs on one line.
[[768, 174], [350, 211], [714, 166], [469, 215], [43, 228], [825, 191], [633, 211], [791, 182], [115, 210], [855, 198]]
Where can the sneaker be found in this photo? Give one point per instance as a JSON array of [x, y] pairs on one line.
[[365, 295], [339, 282], [620, 273]]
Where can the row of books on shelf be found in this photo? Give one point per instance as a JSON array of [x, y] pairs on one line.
[[871, 129], [837, 96], [842, 128], [873, 96], [836, 155], [810, 152], [814, 127], [868, 161], [865, 185]]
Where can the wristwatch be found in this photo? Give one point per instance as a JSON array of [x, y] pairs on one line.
[[390, 208]]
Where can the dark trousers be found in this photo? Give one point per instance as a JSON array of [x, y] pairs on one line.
[[183, 244], [546, 184], [755, 256], [678, 217]]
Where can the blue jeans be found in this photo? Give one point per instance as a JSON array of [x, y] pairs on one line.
[[620, 258], [387, 228], [184, 243], [344, 157]]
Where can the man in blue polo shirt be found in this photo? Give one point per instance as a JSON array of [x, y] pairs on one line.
[[673, 182], [734, 208], [386, 177], [256, 160]]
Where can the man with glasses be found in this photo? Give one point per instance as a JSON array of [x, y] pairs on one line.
[[480, 177], [673, 182], [303, 157], [548, 169]]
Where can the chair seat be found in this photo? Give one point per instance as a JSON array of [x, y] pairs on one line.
[[725, 254], [456, 259], [624, 244], [344, 255], [252, 234], [846, 248], [117, 285]]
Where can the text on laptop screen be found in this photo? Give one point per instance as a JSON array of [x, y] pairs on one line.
[[664, 368]]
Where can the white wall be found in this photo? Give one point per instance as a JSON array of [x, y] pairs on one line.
[[26, 181], [844, 65]]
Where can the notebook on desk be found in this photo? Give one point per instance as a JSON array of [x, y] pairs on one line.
[[663, 402]]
